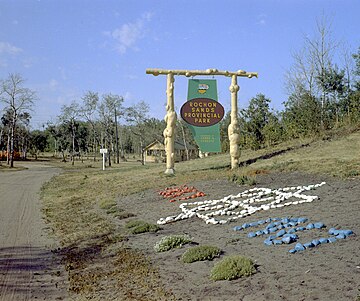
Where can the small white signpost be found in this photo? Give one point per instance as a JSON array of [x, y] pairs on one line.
[[103, 151]]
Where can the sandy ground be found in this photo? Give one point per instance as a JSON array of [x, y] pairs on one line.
[[327, 272], [28, 268]]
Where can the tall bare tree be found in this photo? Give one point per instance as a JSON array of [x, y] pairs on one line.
[[18, 100], [69, 115], [89, 111], [109, 109]]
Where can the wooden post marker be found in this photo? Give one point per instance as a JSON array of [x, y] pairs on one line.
[[170, 117], [103, 151]]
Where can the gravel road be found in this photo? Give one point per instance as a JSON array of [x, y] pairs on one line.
[[28, 268]]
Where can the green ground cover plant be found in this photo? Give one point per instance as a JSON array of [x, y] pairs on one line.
[[232, 267], [172, 241], [200, 253], [137, 227]]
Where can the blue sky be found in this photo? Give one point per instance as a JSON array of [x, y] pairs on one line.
[[64, 48]]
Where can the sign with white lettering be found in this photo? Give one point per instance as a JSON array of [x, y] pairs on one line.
[[103, 150]]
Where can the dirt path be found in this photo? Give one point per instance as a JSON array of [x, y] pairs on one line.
[[28, 268]]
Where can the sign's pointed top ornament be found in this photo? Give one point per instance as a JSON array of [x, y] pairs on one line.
[[170, 117]]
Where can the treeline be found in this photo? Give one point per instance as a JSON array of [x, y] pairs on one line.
[[82, 128]]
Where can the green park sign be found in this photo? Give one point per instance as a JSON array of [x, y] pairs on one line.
[[203, 113]]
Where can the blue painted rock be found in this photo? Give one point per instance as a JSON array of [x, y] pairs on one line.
[[292, 251], [268, 242], [331, 239], [319, 225], [300, 228], [281, 233], [285, 220], [340, 236], [315, 242], [287, 240], [323, 240], [294, 220], [254, 224], [293, 236], [292, 230], [302, 220], [272, 230], [251, 234], [237, 228], [245, 226], [271, 225], [277, 242], [333, 231], [271, 237], [308, 245], [261, 222], [266, 231], [258, 233], [293, 224], [269, 220], [281, 226], [347, 232], [310, 226], [299, 247]]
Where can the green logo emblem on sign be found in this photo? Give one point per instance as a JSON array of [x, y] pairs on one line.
[[203, 88]]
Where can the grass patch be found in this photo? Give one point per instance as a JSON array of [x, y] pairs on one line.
[[243, 179], [172, 241], [232, 267], [137, 227], [200, 253], [107, 204], [123, 215]]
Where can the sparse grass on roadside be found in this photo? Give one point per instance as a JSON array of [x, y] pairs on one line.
[[200, 253], [232, 267]]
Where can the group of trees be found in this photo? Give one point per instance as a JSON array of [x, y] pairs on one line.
[[321, 96]]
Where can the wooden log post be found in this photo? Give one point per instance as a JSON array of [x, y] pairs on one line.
[[169, 132], [234, 128]]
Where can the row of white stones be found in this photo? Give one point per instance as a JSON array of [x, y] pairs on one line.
[[269, 199]]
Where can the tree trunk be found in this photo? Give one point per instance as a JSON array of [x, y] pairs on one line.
[[8, 150], [12, 145], [184, 140]]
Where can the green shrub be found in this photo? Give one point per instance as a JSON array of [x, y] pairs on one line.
[[232, 267], [200, 253], [172, 241], [137, 227]]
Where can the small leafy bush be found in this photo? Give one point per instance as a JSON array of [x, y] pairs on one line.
[[200, 253], [172, 241], [137, 227], [232, 267]]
